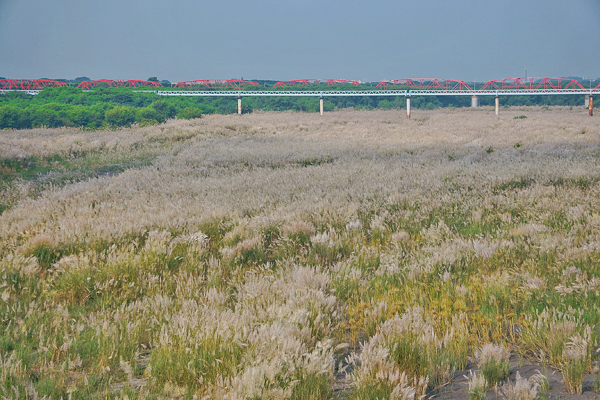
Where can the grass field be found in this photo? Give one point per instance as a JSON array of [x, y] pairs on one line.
[[357, 255]]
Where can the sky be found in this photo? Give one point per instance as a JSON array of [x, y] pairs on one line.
[[373, 40]]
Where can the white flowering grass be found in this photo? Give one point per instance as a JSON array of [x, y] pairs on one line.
[[257, 257], [576, 362], [493, 360], [543, 384], [477, 386], [520, 389], [548, 332]]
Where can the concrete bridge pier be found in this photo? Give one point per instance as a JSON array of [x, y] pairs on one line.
[[475, 102], [321, 104], [591, 106], [408, 107], [239, 105], [587, 100], [497, 105]]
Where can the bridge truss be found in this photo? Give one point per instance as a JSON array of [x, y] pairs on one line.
[[426, 84], [216, 83], [28, 85], [310, 82], [531, 83], [113, 83]]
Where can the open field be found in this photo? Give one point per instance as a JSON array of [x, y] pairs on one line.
[[357, 255]]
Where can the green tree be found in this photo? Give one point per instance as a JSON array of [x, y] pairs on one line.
[[146, 116], [85, 116], [164, 110], [119, 116], [9, 117], [189, 113], [51, 115]]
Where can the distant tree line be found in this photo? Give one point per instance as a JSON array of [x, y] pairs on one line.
[[115, 107]]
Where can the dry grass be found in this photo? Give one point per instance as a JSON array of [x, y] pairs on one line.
[[252, 251]]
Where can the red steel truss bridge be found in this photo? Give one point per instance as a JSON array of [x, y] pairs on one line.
[[398, 87], [32, 86]]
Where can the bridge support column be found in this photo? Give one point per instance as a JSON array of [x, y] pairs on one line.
[[497, 105], [591, 106], [587, 100], [321, 105], [408, 107], [475, 101], [239, 106]]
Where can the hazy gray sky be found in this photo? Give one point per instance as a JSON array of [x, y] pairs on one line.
[[283, 39]]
